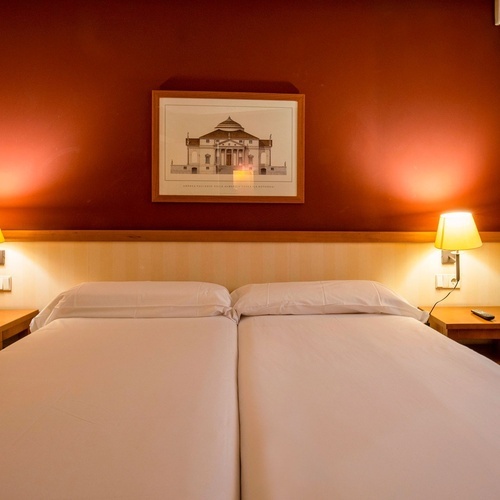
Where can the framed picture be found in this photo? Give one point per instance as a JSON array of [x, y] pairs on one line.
[[228, 147]]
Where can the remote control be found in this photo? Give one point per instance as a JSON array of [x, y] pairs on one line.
[[483, 314]]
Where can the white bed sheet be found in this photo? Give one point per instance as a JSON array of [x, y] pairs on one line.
[[362, 406], [121, 408]]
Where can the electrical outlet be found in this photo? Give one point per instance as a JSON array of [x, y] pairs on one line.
[[446, 281]]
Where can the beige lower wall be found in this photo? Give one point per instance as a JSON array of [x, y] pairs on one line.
[[41, 270]]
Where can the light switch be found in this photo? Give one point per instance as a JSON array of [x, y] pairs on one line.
[[6, 283], [439, 280]]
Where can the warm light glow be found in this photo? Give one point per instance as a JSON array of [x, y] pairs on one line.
[[423, 154], [2, 239], [242, 177], [457, 231], [33, 157]]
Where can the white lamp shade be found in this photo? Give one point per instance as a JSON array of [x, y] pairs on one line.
[[457, 231]]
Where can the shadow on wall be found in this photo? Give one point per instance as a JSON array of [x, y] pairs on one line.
[[203, 85]]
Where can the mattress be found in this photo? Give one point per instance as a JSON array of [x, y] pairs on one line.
[[346, 405], [113, 407]]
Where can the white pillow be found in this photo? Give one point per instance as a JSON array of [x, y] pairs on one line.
[[321, 297], [137, 299]]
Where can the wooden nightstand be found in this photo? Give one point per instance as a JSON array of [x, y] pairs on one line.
[[14, 324], [460, 324]]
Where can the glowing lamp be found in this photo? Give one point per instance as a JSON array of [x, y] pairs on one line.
[[456, 231], [2, 252]]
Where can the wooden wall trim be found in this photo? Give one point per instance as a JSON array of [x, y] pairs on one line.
[[231, 236]]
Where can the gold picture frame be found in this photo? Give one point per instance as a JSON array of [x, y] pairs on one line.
[[225, 147]]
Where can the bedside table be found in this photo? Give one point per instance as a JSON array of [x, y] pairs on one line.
[[14, 323], [459, 323]]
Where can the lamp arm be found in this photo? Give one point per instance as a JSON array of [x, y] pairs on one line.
[[457, 266]]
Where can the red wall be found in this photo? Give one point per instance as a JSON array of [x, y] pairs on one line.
[[402, 108]]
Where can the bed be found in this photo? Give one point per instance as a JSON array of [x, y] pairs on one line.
[[345, 393], [123, 390]]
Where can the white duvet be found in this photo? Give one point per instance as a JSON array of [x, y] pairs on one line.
[[364, 406], [101, 408]]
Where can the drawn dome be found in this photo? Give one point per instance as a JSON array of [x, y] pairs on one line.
[[229, 124]]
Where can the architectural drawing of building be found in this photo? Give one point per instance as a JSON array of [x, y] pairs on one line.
[[227, 149]]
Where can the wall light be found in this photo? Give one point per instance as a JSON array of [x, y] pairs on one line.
[[2, 252], [456, 231]]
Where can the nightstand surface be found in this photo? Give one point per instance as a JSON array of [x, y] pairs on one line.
[[15, 322], [460, 323]]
